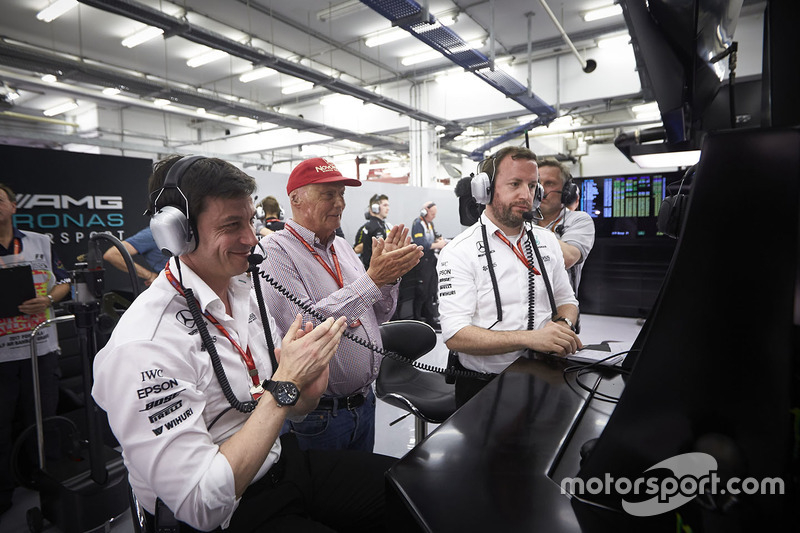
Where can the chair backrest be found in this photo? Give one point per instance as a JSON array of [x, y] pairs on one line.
[[410, 338]]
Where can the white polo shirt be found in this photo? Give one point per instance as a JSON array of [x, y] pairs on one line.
[[160, 392], [466, 294]]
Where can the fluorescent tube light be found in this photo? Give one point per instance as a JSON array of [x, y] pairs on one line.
[[60, 108], [664, 156], [160, 102], [256, 74], [55, 10], [602, 12], [297, 87], [111, 91], [142, 36], [247, 121], [614, 41], [49, 78], [205, 58]]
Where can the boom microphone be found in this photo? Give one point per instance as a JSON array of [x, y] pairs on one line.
[[533, 215]]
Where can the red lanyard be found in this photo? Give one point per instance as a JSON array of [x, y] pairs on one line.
[[246, 355], [17, 246], [517, 251], [336, 276]]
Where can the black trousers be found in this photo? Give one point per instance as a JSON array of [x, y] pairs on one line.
[[315, 491], [17, 411]]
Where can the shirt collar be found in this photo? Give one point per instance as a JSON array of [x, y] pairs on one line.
[[16, 234], [309, 236], [491, 227], [207, 299]]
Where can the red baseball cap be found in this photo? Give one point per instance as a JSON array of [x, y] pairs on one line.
[[317, 170]]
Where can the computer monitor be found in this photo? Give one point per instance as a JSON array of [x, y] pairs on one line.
[[625, 206]]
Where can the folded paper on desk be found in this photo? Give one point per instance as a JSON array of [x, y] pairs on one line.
[[594, 353]]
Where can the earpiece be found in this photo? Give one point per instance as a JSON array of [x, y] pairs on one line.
[[171, 226], [482, 184], [375, 204], [570, 191], [281, 214], [424, 211], [673, 208]]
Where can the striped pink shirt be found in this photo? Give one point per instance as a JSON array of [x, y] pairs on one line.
[[291, 264]]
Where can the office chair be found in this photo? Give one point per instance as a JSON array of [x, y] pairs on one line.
[[424, 394]]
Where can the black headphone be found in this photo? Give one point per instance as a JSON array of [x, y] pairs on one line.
[[171, 224], [570, 191], [482, 185], [673, 208], [375, 204], [424, 211]]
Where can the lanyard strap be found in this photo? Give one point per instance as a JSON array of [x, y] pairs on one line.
[[337, 276], [246, 355], [517, 251]]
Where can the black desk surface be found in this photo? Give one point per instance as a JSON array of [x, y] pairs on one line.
[[486, 468]]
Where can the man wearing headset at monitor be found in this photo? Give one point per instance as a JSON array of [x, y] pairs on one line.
[[180, 379], [488, 271], [574, 229]]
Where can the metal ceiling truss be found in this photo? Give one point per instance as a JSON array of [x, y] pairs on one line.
[[176, 26], [410, 16], [66, 68]]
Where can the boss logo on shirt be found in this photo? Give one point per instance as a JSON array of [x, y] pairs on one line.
[[184, 316], [160, 401]]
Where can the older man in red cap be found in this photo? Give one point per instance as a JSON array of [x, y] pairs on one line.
[[322, 270]]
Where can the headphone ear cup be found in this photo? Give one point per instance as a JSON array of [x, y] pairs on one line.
[[423, 212], [569, 193], [171, 231], [481, 187], [375, 208], [670, 215], [538, 195]]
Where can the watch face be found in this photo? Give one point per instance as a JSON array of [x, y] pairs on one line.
[[286, 393]]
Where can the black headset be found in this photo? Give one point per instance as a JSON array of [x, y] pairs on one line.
[[171, 224], [424, 211], [673, 208], [570, 191]]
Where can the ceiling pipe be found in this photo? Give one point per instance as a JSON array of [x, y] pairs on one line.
[[587, 65]]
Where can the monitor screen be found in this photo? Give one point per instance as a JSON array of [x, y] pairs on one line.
[[625, 206]]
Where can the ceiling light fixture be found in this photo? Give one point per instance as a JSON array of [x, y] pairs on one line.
[[602, 12], [55, 10], [205, 58], [614, 41], [60, 108], [161, 102], [142, 36], [49, 78], [341, 10], [664, 156], [201, 111], [111, 91], [297, 87], [247, 121], [434, 54], [256, 74]]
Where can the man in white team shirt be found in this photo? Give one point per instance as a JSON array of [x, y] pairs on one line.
[[184, 441], [468, 304]]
